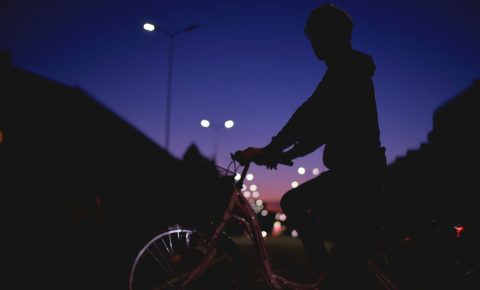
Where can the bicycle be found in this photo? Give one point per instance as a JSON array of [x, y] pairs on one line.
[[187, 258]]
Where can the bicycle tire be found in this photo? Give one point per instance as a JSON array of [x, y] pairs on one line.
[[167, 259]]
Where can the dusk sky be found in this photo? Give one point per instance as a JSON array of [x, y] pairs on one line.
[[249, 61]]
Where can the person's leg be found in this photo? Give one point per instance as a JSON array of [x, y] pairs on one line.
[[355, 233], [300, 204]]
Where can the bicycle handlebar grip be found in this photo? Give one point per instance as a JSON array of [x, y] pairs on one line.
[[237, 157]]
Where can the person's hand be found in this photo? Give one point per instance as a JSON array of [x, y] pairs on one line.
[[268, 158], [259, 156], [262, 156], [248, 155]]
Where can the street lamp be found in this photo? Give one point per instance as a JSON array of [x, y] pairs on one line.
[[171, 34], [206, 124]]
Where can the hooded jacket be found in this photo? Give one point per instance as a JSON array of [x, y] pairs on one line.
[[341, 114]]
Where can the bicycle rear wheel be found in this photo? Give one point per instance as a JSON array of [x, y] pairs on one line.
[[166, 260]]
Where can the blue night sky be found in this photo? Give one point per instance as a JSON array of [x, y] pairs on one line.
[[249, 61]]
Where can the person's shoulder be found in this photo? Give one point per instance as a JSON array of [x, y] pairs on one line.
[[356, 54], [360, 63]]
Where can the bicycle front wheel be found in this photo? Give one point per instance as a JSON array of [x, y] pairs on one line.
[[166, 261]]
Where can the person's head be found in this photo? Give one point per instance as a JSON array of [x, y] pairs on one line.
[[329, 29]]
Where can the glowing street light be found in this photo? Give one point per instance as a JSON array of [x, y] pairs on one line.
[[207, 124], [229, 124], [150, 27]]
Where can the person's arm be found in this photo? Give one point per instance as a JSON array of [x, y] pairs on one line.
[[301, 149], [304, 124], [295, 129]]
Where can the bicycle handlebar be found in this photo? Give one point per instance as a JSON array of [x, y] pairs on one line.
[[281, 160], [246, 163]]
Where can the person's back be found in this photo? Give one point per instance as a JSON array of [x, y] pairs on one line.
[[342, 114]]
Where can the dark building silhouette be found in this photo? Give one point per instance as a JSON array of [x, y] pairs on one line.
[[62, 147], [432, 194], [81, 188], [440, 179]]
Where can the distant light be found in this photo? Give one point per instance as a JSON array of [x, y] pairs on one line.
[[246, 194], [294, 184], [149, 27], [256, 209], [277, 216], [253, 187], [301, 170], [264, 234], [459, 230], [282, 217], [229, 124], [205, 123], [264, 212], [294, 234], [255, 194], [244, 187], [316, 171], [277, 228], [237, 176], [249, 176], [259, 202]]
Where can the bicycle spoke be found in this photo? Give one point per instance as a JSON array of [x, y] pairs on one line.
[[187, 236], [159, 272], [168, 271], [162, 253], [166, 247], [170, 239]]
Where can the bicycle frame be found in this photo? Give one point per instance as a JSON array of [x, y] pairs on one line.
[[251, 225]]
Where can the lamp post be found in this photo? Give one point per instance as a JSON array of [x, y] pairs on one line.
[[206, 124], [171, 34]]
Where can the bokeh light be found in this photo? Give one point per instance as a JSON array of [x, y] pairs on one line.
[[205, 123]]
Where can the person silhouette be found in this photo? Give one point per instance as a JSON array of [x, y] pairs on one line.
[[340, 115]]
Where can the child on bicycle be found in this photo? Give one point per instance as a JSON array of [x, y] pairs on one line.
[[341, 115]]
